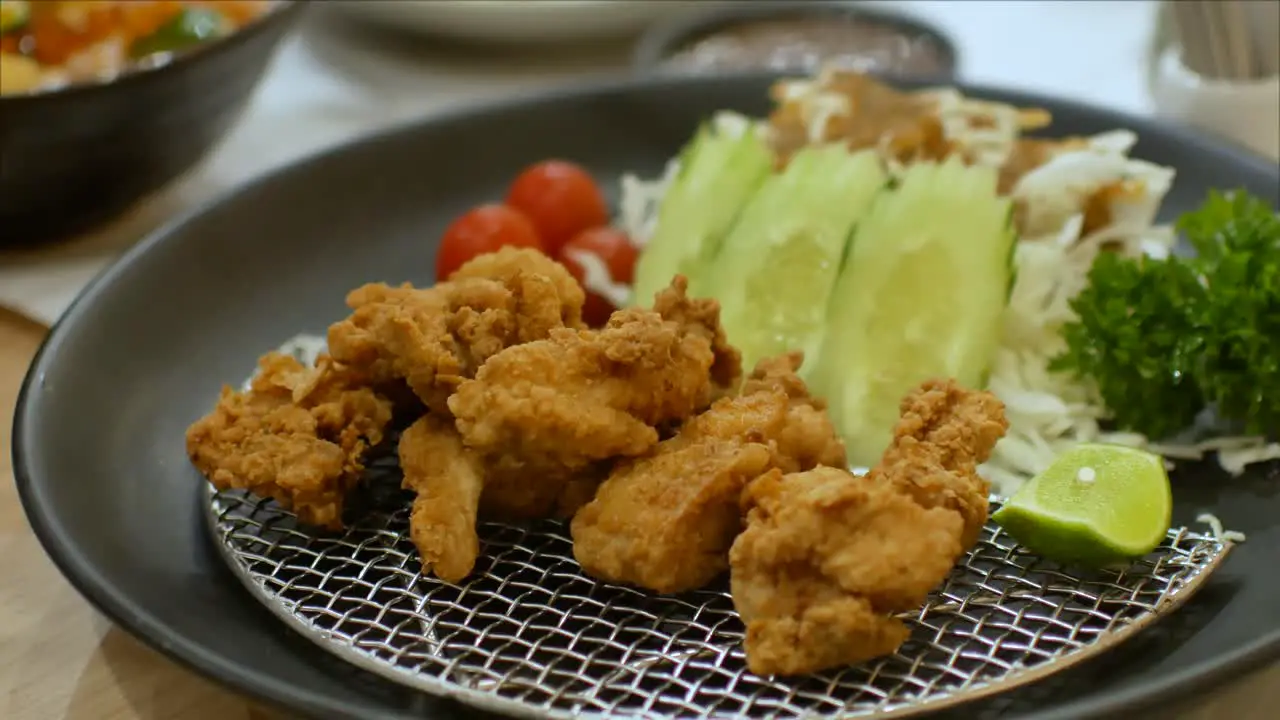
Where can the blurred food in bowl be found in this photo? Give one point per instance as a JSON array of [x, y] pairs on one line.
[[514, 21], [797, 36], [48, 44], [104, 102]]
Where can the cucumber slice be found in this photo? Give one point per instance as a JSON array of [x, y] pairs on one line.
[[921, 295], [719, 170], [774, 272]]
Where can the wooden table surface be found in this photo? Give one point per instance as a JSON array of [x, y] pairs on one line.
[[60, 659]]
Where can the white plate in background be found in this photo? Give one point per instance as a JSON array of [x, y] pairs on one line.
[[516, 20]]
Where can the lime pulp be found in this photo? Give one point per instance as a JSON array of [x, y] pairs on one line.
[[1096, 506]]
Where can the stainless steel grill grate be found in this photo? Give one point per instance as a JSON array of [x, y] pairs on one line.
[[530, 635]]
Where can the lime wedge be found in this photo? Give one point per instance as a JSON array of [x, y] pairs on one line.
[[1096, 505]]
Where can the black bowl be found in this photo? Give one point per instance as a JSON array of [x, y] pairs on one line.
[[664, 39], [74, 157]]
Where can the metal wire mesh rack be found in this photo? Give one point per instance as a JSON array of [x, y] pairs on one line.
[[530, 635]]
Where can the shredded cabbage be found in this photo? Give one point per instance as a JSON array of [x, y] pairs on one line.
[[640, 202], [1218, 531], [596, 277]]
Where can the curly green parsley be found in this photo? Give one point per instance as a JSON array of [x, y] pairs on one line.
[[1164, 338]]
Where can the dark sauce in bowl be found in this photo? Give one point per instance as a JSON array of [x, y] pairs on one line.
[[807, 42]]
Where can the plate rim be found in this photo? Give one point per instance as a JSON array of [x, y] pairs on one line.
[[116, 605], [466, 21]]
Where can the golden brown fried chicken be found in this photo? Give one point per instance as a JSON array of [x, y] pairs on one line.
[[545, 414], [824, 560], [809, 438], [665, 521], [515, 490], [701, 316], [826, 557], [447, 478], [944, 432], [543, 306], [434, 338], [297, 435]]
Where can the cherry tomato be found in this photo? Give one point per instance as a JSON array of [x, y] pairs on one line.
[[561, 199], [618, 257], [483, 230]]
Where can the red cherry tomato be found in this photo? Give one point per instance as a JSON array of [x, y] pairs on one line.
[[483, 230], [618, 257], [561, 199]]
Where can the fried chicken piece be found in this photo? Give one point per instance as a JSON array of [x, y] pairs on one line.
[[827, 557], [809, 438], [584, 395], [297, 435], [824, 560], [511, 266], [448, 479], [943, 433], [515, 491], [665, 521], [556, 407], [669, 536], [434, 338], [701, 316]]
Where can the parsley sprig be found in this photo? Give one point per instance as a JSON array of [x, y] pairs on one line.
[[1163, 338]]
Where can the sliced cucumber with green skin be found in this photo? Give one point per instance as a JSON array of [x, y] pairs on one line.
[[718, 172], [774, 272], [921, 296], [188, 28], [14, 15]]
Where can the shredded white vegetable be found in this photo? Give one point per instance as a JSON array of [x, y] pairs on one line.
[[987, 131], [734, 124], [596, 277], [1218, 531], [641, 200], [306, 348]]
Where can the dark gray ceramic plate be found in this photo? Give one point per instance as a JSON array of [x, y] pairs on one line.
[[98, 446]]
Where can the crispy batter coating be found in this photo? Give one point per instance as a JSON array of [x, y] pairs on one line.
[[943, 434], [665, 521], [560, 294], [701, 316], [809, 438], [448, 479], [434, 338], [297, 435], [826, 557], [516, 491], [546, 412]]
